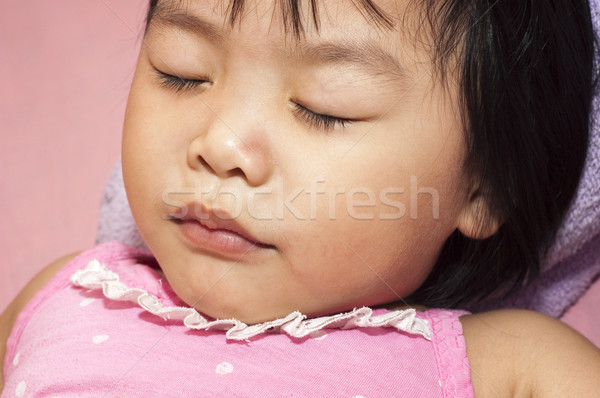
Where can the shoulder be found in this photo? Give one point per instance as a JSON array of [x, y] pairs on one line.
[[524, 353], [9, 316]]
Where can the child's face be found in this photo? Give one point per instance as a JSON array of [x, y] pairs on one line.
[[335, 215]]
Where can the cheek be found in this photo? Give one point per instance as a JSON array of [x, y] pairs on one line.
[[360, 260], [154, 118], [379, 229], [143, 156], [152, 144]]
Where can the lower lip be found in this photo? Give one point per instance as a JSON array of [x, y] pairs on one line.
[[217, 240]]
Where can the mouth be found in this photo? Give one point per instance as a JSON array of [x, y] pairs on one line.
[[217, 231]]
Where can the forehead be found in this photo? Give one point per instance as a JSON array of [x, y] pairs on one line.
[[301, 18], [376, 35]]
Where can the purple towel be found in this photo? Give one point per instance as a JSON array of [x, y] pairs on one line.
[[571, 266], [115, 220]]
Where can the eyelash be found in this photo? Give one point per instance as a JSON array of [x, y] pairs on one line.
[[314, 119], [177, 83], [318, 120]]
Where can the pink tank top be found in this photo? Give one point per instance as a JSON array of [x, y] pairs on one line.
[[73, 341]]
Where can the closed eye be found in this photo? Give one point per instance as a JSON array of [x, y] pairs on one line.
[[314, 119], [178, 83], [319, 120]]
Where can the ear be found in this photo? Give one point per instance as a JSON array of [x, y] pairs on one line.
[[476, 220]]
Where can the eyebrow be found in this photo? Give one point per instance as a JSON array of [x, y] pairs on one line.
[[164, 16], [368, 55]]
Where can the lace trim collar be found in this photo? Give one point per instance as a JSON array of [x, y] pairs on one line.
[[97, 277]]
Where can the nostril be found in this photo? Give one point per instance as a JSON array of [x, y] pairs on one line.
[[236, 172], [226, 173], [205, 164], [226, 157]]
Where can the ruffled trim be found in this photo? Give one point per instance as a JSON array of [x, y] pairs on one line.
[[96, 276]]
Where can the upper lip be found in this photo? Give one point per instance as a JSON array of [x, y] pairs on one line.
[[217, 219]]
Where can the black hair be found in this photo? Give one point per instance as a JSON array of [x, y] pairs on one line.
[[527, 81], [526, 77]]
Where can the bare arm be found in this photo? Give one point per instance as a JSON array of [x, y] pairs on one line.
[[9, 316], [522, 353], [567, 363]]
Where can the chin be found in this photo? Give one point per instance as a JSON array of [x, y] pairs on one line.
[[250, 315]]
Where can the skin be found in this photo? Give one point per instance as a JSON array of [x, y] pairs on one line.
[[237, 132]]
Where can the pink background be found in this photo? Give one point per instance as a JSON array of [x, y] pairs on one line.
[[65, 70]]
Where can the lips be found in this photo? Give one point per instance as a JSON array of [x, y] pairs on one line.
[[217, 231]]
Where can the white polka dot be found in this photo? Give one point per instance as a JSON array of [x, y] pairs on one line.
[[87, 301], [318, 334], [16, 359], [101, 338], [20, 391], [223, 368]]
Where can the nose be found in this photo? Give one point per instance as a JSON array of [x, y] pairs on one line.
[[227, 149]]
